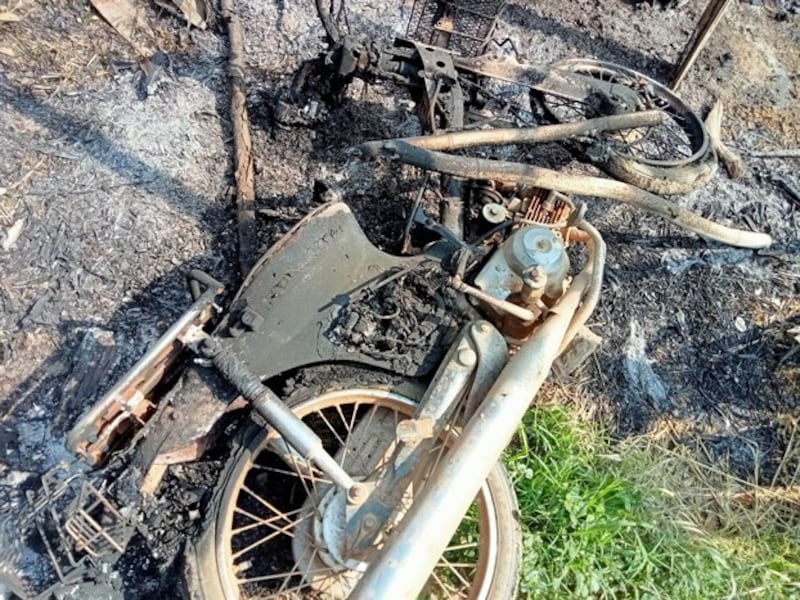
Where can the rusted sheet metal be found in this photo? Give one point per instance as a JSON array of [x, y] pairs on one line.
[[184, 424]]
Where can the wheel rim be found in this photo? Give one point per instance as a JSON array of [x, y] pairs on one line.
[[273, 539], [680, 140]]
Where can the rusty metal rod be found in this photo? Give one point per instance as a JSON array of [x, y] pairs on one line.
[[523, 135], [705, 28], [243, 145], [582, 185], [520, 312]]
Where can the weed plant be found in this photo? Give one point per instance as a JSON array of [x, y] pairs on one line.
[[636, 519]]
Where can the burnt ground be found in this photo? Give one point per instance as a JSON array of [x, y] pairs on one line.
[[118, 197]]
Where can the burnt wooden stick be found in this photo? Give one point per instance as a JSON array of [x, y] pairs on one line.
[[524, 135], [245, 186], [567, 183], [734, 164], [705, 28]]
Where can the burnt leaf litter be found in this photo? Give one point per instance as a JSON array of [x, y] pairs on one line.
[[116, 184]]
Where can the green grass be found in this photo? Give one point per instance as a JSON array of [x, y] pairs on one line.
[[600, 521]]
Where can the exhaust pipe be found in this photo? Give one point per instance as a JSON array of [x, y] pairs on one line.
[[404, 565]]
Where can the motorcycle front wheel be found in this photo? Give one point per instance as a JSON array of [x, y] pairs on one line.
[[275, 530]]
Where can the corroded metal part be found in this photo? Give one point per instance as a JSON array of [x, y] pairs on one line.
[[126, 407], [471, 366], [410, 554]]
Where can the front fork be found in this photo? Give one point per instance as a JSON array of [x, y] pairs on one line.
[[468, 370], [409, 555]]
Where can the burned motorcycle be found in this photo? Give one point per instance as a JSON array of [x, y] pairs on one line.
[[368, 396], [374, 471]]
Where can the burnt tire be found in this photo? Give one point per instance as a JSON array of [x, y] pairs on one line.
[[207, 561]]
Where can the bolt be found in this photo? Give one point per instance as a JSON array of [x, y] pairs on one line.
[[494, 213], [535, 277], [467, 357], [369, 522], [484, 327], [211, 346], [356, 493]]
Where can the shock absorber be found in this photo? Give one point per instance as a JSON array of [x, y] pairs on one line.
[[296, 433]]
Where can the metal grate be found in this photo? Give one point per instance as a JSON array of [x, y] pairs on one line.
[[77, 523], [463, 26], [95, 525]]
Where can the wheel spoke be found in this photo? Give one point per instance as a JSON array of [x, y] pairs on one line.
[[349, 428], [457, 547], [676, 140], [450, 567], [274, 546], [257, 467], [310, 492], [258, 522], [285, 530], [303, 574], [330, 427], [265, 503], [448, 590], [295, 572]]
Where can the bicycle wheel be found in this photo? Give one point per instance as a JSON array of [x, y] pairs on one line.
[[676, 157], [277, 532]]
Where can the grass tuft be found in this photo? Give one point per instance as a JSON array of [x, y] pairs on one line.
[[644, 519]]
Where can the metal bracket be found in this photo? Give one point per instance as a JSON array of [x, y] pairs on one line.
[[441, 82]]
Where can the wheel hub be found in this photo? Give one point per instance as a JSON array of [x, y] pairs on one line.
[[320, 542], [330, 530]]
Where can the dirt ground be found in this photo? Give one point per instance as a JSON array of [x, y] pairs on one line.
[[112, 198]]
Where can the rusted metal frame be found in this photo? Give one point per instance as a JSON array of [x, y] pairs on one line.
[[525, 135], [83, 525], [734, 164], [510, 172], [412, 551], [441, 84], [44, 507], [595, 268], [244, 172], [510, 71], [110, 418], [439, 72]]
